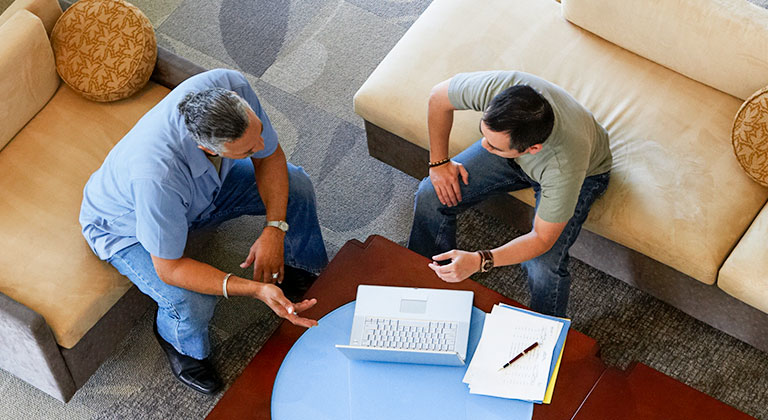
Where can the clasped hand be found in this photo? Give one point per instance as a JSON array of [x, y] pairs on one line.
[[463, 264]]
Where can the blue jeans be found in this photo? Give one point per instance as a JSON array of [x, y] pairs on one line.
[[434, 225], [183, 315]]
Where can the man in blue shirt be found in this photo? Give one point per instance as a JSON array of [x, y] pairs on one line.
[[191, 162]]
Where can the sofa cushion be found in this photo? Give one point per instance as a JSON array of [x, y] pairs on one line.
[[47, 10], [721, 43], [750, 136], [677, 193], [27, 72], [46, 263], [745, 273], [105, 50]]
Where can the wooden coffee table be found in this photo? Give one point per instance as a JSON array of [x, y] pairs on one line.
[[585, 388]]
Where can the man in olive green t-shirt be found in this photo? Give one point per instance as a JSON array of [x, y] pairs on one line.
[[534, 135]]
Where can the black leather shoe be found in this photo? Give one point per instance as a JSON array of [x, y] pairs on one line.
[[296, 282], [196, 374]]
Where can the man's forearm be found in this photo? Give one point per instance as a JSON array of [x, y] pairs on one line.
[[520, 249], [539, 240], [440, 123], [272, 181], [200, 277]]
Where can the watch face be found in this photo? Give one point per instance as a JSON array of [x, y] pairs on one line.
[[487, 265]]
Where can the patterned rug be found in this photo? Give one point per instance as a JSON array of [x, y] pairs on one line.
[[306, 59]]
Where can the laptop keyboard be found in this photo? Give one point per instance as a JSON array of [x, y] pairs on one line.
[[409, 334]]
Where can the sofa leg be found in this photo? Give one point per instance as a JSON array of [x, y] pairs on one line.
[[397, 152]]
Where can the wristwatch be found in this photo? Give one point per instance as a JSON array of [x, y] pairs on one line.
[[486, 261], [280, 224]]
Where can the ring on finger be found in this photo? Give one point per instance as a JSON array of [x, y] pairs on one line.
[[275, 275]]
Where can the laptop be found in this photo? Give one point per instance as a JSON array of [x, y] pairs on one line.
[[410, 325]]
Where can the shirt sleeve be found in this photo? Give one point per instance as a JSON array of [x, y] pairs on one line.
[[161, 222], [476, 90], [559, 196]]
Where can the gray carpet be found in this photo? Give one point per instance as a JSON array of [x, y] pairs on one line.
[[306, 59]]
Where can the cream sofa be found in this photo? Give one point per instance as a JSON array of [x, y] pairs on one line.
[[62, 310], [666, 79]]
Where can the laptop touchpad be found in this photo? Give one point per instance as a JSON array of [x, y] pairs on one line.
[[413, 306]]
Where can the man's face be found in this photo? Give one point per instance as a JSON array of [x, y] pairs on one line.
[[246, 145], [249, 143], [498, 143]]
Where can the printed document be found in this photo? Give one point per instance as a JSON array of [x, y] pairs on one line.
[[506, 333]]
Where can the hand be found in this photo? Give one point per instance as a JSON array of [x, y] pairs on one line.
[[463, 264], [266, 255], [284, 308], [445, 179]]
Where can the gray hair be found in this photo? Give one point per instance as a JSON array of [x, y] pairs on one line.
[[214, 116]]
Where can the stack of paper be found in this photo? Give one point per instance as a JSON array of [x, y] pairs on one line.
[[507, 332]]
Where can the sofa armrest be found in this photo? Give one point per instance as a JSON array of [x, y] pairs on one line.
[[30, 352], [744, 275], [171, 69]]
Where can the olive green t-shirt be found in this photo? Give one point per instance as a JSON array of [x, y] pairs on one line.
[[577, 147]]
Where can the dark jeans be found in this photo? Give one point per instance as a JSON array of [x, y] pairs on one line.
[[434, 225]]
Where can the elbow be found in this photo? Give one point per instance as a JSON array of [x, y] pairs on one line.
[[546, 247], [434, 99], [543, 245], [166, 270], [165, 277], [434, 93], [438, 96]]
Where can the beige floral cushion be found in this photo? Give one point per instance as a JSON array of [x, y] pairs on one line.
[[105, 49], [750, 136]]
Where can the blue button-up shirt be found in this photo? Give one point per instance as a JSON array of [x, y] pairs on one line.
[[155, 182]]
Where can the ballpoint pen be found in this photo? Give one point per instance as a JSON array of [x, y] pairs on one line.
[[523, 353]]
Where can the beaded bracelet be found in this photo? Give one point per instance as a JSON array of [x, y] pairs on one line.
[[439, 162]]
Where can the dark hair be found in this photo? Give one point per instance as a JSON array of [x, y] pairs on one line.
[[522, 113], [214, 116]]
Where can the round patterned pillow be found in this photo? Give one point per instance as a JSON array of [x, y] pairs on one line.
[[105, 49], [750, 136]]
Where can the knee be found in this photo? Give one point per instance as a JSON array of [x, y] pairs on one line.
[[426, 201], [543, 270], [300, 188], [539, 270], [195, 308]]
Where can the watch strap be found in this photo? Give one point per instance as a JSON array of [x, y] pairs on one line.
[[280, 224], [486, 260]]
